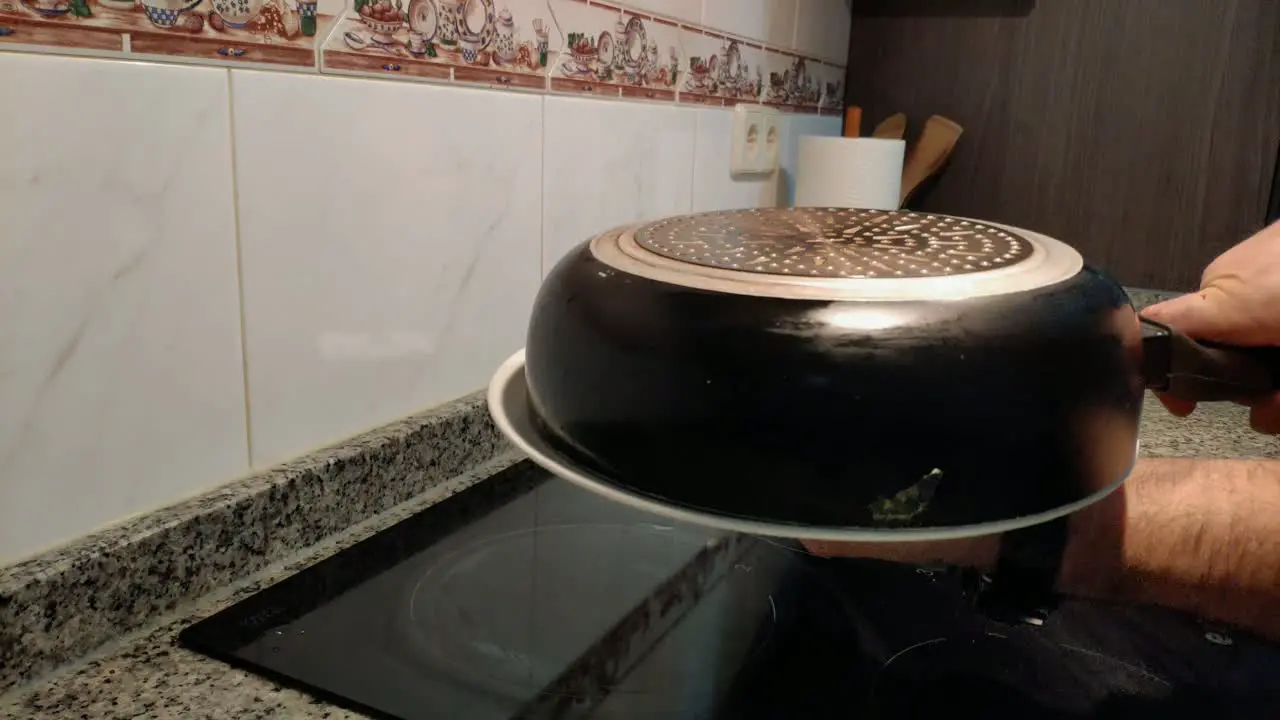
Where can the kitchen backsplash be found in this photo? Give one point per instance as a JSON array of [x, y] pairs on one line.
[[207, 270], [786, 53]]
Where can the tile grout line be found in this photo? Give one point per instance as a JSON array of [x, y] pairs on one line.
[[542, 199], [693, 162], [235, 213], [795, 25]]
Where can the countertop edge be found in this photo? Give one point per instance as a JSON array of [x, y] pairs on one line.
[[60, 605]]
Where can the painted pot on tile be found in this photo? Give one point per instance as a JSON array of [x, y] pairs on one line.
[[542, 36], [470, 48], [165, 13], [832, 368], [47, 8], [447, 25], [307, 15], [236, 13]]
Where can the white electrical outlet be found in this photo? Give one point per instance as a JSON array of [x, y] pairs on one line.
[[771, 132], [744, 157], [754, 141]]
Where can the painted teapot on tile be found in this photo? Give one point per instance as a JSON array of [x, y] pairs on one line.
[[620, 32], [505, 44]]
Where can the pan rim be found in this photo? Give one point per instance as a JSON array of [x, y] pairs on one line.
[[508, 396]]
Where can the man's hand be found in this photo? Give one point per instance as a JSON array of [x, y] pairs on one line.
[[1202, 536], [1238, 304]]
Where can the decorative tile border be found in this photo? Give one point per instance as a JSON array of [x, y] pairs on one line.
[[470, 41], [272, 32], [586, 48], [614, 53], [581, 47]]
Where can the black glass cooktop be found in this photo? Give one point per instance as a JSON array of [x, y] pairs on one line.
[[526, 597]]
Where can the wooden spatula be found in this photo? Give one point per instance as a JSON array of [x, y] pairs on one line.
[[892, 127], [930, 153]]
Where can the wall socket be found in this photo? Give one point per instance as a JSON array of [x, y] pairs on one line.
[[755, 140]]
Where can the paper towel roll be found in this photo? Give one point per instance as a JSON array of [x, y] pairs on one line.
[[844, 172]]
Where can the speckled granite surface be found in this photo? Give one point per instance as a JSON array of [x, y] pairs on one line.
[[56, 607], [145, 674]]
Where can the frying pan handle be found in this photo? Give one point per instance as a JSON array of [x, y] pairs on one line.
[[1176, 364]]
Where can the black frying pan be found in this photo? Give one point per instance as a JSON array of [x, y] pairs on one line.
[[842, 371]]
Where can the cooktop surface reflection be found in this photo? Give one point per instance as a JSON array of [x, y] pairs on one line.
[[526, 597]]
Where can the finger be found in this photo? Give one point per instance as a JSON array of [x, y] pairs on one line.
[[1176, 406], [1203, 315], [1264, 416]]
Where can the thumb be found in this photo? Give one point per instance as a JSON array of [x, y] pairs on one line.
[[1204, 315]]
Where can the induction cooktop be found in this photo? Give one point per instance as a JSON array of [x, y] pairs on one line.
[[526, 597]]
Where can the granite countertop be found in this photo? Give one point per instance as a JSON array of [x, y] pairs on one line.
[[146, 674]]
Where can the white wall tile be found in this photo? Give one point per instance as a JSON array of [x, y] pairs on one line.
[[794, 126], [607, 163], [714, 188], [770, 21], [120, 365], [822, 29], [390, 242]]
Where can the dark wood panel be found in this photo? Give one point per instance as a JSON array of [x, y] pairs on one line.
[[1273, 207], [1144, 132]]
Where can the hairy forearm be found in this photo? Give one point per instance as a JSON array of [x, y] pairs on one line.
[[1197, 535]]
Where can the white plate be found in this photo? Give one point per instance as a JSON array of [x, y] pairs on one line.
[[605, 50], [509, 405], [423, 18]]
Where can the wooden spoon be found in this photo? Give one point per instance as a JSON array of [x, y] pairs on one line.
[[893, 127], [937, 140]]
